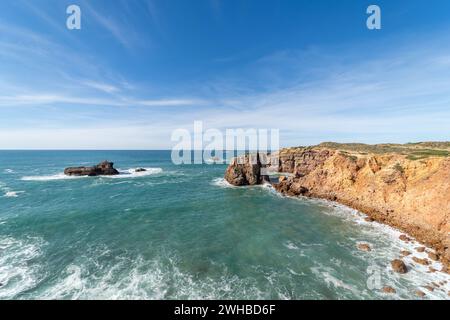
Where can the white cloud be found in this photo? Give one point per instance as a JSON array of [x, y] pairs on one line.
[[53, 99], [108, 88], [170, 102]]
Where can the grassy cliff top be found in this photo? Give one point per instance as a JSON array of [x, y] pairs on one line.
[[414, 151]]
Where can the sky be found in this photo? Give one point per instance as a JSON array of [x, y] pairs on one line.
[[140, 69]]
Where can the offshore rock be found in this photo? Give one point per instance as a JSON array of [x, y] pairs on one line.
[[246, 171], [104, 168]]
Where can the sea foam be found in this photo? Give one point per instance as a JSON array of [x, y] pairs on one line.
[[131, 173], [127, 173], [12, 194], [17, 274], [58, 176], [222, 183]]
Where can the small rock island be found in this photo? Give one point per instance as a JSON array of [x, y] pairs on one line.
[[104, 168]]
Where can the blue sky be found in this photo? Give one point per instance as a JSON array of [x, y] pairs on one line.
[[139, 69]]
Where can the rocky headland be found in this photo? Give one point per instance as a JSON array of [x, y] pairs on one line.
[[404, 186], [104, 168]]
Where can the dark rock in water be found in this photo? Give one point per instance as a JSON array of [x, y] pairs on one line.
[[140, 170], [246, 170], [364, 247], [423, 262], [388, 289], [433, 256], [104, 168], [399, 266], [405, 253], [404, 237]]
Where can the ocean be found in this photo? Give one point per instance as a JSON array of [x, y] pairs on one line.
[[181, 232]]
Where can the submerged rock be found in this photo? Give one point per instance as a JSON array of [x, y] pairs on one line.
[[431, 270], [433, 256], [420, 293], [405, 253], [423, 262], [140, 170], [399, 266], [364, 247], [388, 289], [404, 237], [104, 168], [429, 288]]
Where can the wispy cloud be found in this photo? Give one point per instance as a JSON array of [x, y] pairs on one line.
[[316, 94], [120, 26], [117, 30], [170, 102], [108, 88], [55, 99]]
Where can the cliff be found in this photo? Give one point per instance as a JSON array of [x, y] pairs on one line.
[[405, 186]]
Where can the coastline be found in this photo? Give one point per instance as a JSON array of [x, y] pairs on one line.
[[412, 234], [428, 278], [276, 247], [392, 187]]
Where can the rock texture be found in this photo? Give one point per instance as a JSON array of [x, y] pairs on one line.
[[399, 266], [364, 247], [246, 170], [423, 262], [104, 168], [388, 289], [405, 253], [409, 192]]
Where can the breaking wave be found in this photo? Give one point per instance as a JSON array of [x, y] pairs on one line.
[[134, 173], [59, 176], [17, 271], [222, 183], [128, 173]]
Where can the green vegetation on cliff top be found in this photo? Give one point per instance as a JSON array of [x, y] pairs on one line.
[[413, 151]]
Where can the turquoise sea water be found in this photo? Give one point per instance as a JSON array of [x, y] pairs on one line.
[[182, 232]]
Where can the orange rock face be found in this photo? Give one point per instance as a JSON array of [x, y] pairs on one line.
[[412, 195]]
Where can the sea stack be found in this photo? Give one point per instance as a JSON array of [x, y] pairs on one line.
[[245, 170], [104, 168]]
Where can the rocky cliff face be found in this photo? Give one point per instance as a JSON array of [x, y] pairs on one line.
[[104, 168], [246, 170], [412, 195]]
